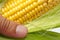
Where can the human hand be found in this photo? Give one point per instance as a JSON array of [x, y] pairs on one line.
[[12, 29]]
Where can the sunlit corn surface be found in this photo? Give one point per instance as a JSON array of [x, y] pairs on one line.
[[23, 11]]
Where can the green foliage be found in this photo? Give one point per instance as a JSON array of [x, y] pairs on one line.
[[42, 35], [0, 1]]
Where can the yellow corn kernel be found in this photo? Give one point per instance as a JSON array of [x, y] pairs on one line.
[[19, 7], [27, 10], [10, 4]]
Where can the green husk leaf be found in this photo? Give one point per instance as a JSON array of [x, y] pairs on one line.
[[42, 35], [49, 20]]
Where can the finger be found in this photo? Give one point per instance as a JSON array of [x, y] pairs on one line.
[[12, 29]]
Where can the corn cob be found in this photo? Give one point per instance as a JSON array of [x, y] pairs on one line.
[[26, 10], [11, 4]]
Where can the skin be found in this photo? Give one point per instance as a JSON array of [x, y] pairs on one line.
[[12, 29]]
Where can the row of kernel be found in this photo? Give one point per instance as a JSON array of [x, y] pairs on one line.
[[24, 11], [31, 15], [8, 6], [19, 7], [50, 5]]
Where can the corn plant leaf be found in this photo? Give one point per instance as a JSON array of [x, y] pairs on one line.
[[42, 35]]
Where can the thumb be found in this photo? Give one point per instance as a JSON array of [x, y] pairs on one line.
[[12, 29]]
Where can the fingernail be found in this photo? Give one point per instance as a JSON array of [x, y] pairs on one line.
[[21, 31]]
